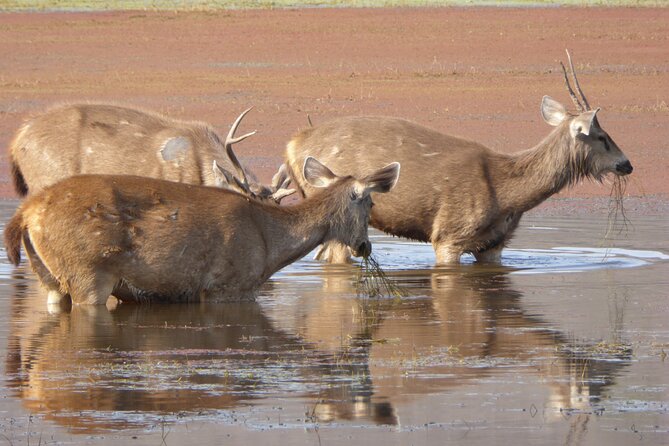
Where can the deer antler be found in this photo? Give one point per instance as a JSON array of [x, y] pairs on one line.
[[585, 106], [574, 99], [280, 182], [230, 140], [227, 180], [578, 86]]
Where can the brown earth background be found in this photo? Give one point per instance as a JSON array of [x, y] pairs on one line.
[[479, 73]]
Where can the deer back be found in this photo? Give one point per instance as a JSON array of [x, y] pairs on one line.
[[109, 139], [99, 138], [429, 159]]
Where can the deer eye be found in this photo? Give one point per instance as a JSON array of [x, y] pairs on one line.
[[606, 142], [353, 196]]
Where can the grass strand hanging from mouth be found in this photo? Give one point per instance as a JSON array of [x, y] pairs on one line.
[[374, 282], [618, 223]]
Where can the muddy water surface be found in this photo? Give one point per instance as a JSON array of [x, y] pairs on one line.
[[563, 344]]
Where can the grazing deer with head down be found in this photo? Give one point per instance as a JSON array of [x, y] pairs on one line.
[[458, 194], [109, 139], [150, 240]]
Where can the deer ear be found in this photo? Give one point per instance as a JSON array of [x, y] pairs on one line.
[[317, 174], [222, 176], [552, 111], [226, 180], [383, 179], [582, 124]]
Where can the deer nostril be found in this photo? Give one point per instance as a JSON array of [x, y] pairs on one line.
[[625, 168], [365, 249]]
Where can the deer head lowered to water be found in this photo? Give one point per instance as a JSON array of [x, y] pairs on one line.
[[458, 194], [110, 139], [150, 240]]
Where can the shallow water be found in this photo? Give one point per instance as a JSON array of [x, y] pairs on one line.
[[563, 344]]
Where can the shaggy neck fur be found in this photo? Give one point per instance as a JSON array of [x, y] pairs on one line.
[[535, 174], [291, 232]]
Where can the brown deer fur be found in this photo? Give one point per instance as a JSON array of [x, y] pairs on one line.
[[458, 194], [110, 139], [150, 240]]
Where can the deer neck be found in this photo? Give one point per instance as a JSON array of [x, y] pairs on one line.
[[291, 232], [531, 176]]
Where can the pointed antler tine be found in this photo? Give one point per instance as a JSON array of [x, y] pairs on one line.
[[235, 124], [241, 138], [280, 177], [281, 194], [576, 84], [577, 103], [230, 140]]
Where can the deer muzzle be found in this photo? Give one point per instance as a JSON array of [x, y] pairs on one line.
[[624, 168], [364, 250]]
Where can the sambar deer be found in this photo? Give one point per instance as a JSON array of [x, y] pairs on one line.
[[110, 139], [458, 194], [149, 240]]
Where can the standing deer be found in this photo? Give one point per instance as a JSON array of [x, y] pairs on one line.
[[458, 194], [151, 240], [109, 139]]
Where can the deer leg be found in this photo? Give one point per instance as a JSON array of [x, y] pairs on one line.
[[446, 253], [492, 255], [92, 288], [334, 252], [47, 280]]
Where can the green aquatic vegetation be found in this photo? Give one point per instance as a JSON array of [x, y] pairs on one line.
[[374, 282]]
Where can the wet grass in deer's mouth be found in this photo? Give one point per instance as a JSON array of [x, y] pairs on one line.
[[618, 223], [374, 282]]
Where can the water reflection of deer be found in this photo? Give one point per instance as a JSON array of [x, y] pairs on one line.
[[358, 359], [469, 324], [76, 365]]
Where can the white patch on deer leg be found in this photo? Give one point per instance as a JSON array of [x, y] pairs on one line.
[[112, 303], [54, 297], [333, 252], [54, 302], [493, 255], [447, 254]]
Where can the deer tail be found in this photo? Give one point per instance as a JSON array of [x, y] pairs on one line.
[[19, 181], [13, 235], [20, 185]]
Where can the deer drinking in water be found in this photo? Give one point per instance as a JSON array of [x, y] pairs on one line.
[[458, 194], [149, 240], [109, 139]]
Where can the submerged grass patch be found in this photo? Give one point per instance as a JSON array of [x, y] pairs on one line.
[[374, 282]]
